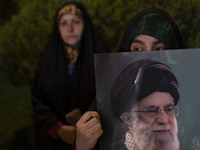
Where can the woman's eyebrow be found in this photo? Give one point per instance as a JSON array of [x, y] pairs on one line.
[[157, 42], [137, 41]]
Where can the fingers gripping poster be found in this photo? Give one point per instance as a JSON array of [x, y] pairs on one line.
[[149, 100]]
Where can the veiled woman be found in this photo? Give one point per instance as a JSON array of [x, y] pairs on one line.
[[64, 84], [150, 29], [155, 25]]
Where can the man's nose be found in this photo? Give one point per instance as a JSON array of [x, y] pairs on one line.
[[163, 118]]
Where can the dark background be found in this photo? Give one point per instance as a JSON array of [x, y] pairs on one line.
[[24, 29]]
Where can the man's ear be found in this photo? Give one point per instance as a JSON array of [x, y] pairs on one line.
[[127, 118]]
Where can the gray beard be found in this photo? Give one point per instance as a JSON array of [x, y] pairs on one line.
[[141, 137]]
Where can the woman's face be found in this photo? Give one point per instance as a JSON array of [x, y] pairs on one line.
[[146, 43], [71, 28]]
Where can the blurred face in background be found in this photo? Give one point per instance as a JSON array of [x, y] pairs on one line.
[[71, 28]]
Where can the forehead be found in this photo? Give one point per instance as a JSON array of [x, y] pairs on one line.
[[69, 17], [146, 38], [158, 99]]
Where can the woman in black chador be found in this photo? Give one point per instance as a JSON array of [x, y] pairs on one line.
[[154, 23], [151, 29], [64, 84]]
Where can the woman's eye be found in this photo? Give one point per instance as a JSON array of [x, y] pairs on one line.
[[159, 48], [63, 23], [76, 21], [136, 49]]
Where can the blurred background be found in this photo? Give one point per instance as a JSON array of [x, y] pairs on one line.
[[24, 29]]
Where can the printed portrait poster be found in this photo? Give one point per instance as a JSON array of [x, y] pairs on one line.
[[186, 67]]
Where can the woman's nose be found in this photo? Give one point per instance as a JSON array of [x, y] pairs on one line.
[[70, 27]]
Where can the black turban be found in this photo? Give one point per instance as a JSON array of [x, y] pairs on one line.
[[140, 79]]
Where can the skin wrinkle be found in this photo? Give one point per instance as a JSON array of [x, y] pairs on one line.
[[150, 142], [157, 132]]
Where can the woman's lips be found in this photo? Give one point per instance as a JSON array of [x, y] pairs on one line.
[[71, 36]]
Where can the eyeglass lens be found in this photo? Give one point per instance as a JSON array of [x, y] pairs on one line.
[[172, 110]]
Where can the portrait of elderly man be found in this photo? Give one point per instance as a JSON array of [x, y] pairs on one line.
[[144, 97]]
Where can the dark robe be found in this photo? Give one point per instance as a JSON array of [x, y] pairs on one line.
[[55, 92]]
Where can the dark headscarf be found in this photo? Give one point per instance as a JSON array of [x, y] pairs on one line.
[[55, 92], [140, 79], [156, 23]]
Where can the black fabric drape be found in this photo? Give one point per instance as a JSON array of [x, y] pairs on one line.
[[54, 91], [178, 42]]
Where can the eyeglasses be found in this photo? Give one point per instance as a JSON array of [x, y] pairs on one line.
[[155, 112]]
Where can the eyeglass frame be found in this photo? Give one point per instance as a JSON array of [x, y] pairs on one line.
[[158, 111]]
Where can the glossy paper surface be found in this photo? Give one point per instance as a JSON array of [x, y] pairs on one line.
[[186, 67]]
